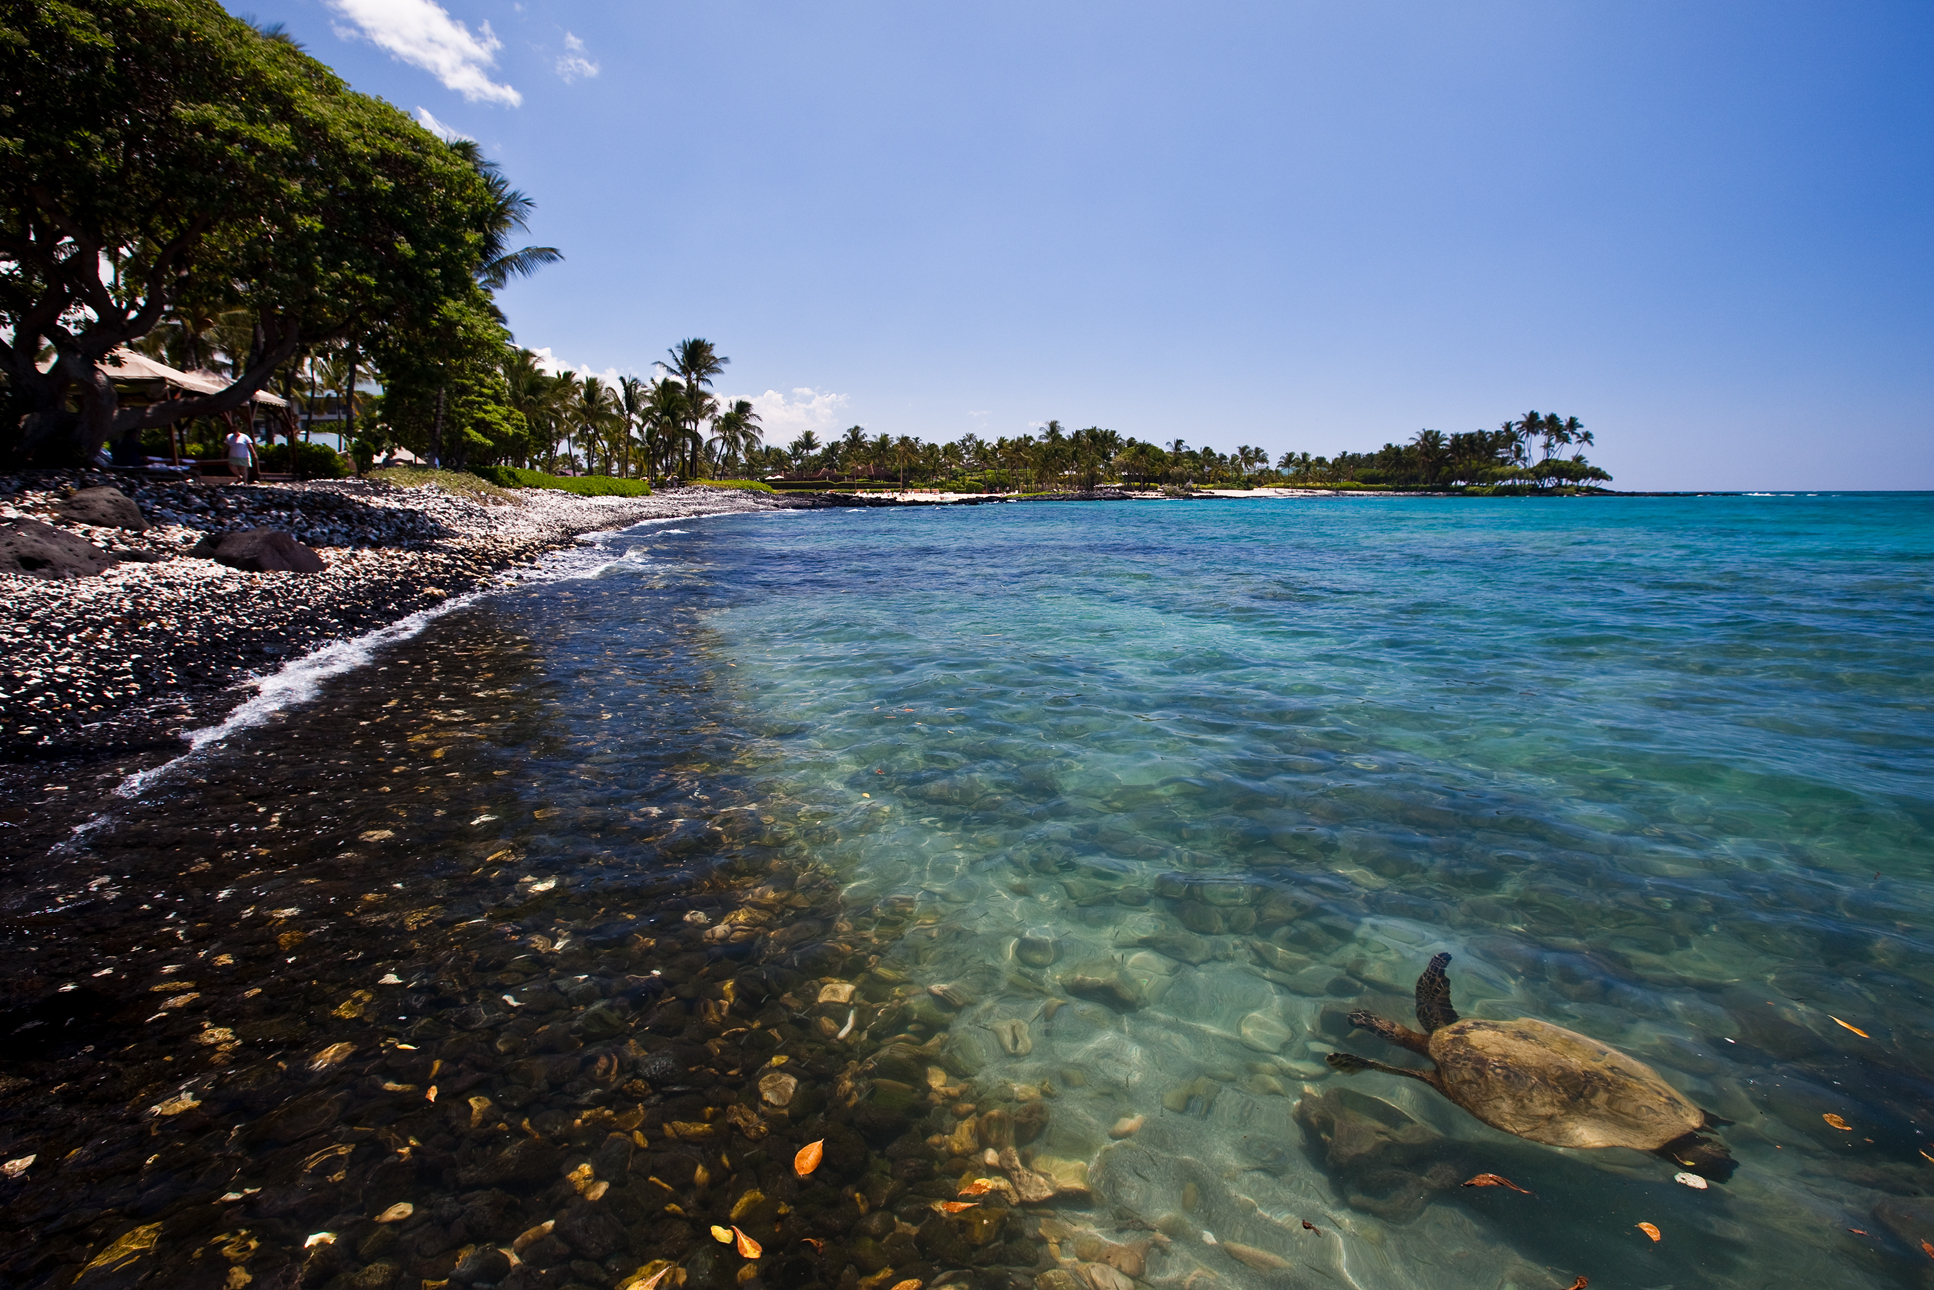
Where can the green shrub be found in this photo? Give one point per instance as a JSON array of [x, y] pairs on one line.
[[582, 485], [749, 485], [315, 461]]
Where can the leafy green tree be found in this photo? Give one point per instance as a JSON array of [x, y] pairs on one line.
[[158, 156]]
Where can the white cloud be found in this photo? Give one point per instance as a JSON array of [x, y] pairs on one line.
[[574, 64], [422, 33], [552, 364], [447, 133], [783, 416]]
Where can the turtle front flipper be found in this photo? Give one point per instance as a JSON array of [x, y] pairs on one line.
[[1704, 1156], [1434, 1010], [1350, 1064], [1401, 1035]]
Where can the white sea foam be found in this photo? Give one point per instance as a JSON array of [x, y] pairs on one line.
[[300, 680], [295, 683]]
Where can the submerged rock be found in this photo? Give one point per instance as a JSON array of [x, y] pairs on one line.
[[1103, 981], [1037, 951]]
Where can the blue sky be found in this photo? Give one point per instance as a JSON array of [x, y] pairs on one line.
[[1702, 228]]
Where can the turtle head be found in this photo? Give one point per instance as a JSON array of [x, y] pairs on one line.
[[1704, 1156]]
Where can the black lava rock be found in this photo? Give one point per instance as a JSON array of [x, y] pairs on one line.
[[43, 551], [259, 551], [106, 508]]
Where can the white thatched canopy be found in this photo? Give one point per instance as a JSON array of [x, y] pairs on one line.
[[127, 365]]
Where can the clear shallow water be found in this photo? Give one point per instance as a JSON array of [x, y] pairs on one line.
[[1658, 770]]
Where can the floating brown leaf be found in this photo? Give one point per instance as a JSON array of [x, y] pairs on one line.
[[746, 1246], [1495, 1180], [809, 1157], [1849, 1026], [1837, 1122], [1928, 1249], [1649, 1230], [124, 1249]]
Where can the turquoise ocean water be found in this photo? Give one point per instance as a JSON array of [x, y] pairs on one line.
[[1153, 794], [1659, 770]]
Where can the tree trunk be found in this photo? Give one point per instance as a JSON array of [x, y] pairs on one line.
[[348, 435], [436, 429]]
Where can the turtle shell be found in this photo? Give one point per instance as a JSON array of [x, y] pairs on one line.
[[1558, 1087]]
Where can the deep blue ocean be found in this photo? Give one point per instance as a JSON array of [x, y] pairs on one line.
[[1157, 793]]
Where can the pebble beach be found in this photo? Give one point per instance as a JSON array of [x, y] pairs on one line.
[[104, 675]]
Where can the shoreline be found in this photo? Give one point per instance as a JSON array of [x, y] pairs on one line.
[[107, 676]]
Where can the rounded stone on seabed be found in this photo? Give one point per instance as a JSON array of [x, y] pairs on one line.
[[1037, 951], [1264, 1033]]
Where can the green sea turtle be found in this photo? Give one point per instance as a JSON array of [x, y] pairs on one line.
[[1545, 1083]]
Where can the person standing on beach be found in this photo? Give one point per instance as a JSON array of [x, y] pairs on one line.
[[241, 456]]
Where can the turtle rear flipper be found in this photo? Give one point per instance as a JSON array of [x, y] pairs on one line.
[[1434, 1010], [1704, 1156]]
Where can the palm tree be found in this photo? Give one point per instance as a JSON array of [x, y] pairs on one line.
[[696, 361], [801, 450], [1431, 451], [510, 212], [852, 446], [597, 412], [664, 422], [634, 401], [736, 432]]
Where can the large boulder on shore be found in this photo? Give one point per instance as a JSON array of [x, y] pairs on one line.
[[259, 551], [107, 508], [43, 551]]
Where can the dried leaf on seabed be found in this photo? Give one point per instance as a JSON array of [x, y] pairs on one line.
[[809, 1157], [1311, 1227], [746, 1246], [1927, 1248], [1579, 1284], [911, 1283], [1495, 1180], [331, 1055], [981, 1186], [1649, 1229], [723, 1235], [1837, 1122], [396, 1213], [955, 1206], [1849, 1026]]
